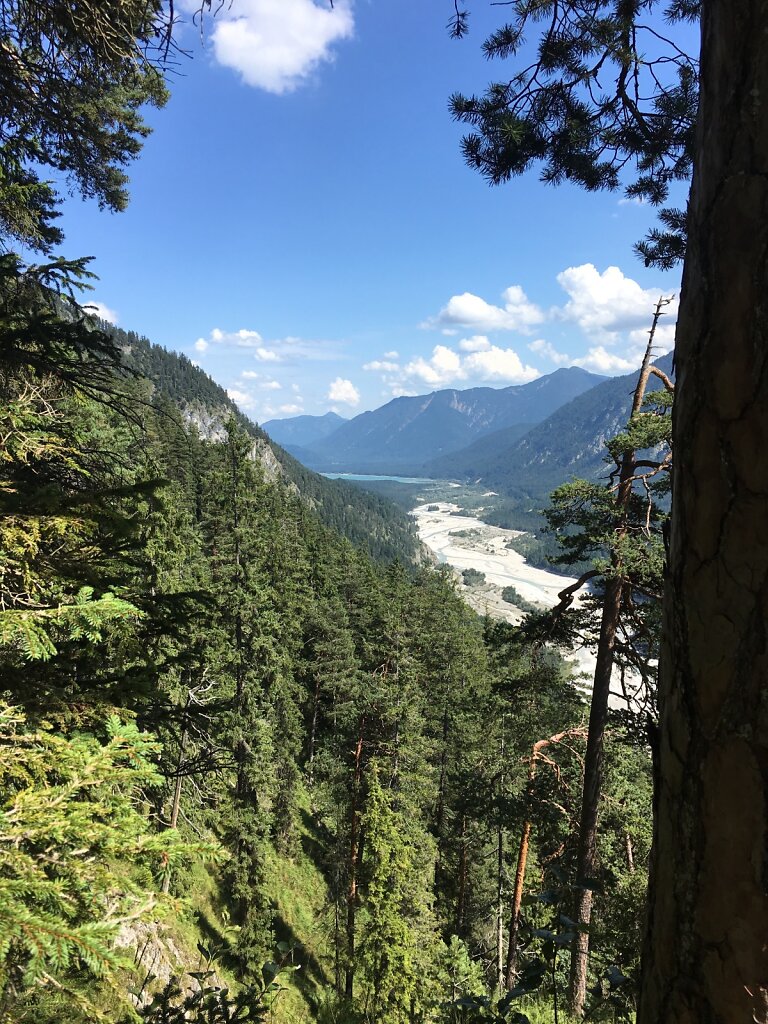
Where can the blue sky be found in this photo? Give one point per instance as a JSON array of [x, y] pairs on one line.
[[303, 226]]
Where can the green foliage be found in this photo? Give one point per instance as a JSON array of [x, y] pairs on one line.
[[392, 896], [78, 856], [337, 724], [472, 577], [604, 91], [512, 596], [74, 82]]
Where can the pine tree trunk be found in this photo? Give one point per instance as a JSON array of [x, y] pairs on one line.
[[500, 911], [630, 853], [586, 863], [462, 898], [313, 734], [354, 859], [176, 801], [500, 876], [706, 955], [517, 900]]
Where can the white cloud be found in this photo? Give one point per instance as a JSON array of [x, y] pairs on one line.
[[478, 343], [271, 385], [443, 367], [663, 339], [467, 310], [599, 360], [242, 338], [102, 311], [485, 362], [296, 388], [292, 409], [499, 364], [277, 45], [606, 304], [241, 398], [278, 350], [344, 391], [546, 349], [250, 375], [392, 355]]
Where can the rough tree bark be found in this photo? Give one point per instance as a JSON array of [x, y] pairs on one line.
[[706, 955]]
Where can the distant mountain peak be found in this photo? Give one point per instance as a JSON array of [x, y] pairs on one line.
[[299, 431], [409, 431]]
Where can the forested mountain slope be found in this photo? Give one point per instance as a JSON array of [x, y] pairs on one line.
[[369, 521], [246, 742], [407, 431]]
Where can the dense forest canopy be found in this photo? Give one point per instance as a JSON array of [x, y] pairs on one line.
[[255, 759]]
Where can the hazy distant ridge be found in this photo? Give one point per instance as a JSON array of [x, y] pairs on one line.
[[409, 431]]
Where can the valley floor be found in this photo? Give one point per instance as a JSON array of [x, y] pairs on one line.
[[465, 542], [468, 543]]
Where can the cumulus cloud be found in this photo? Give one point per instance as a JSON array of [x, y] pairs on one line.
[[499, 364], [663, 339], [240, 339], [241, 398], [102, 311], [546, 349], [277, 45], [479, 343], [392, 355], [443, 367], [467, 310], [484, 362], [292, 409], [606, 304], [271, 385], [344, 391], [600, 360], [609, 309]]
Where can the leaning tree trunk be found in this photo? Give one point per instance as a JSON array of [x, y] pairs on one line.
[[706, 955], [586, 857]]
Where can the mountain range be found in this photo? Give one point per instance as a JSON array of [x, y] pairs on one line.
[[522, 441], [568, 443], [409, 431]]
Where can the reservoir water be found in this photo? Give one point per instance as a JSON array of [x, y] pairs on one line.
[[362, 477]]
